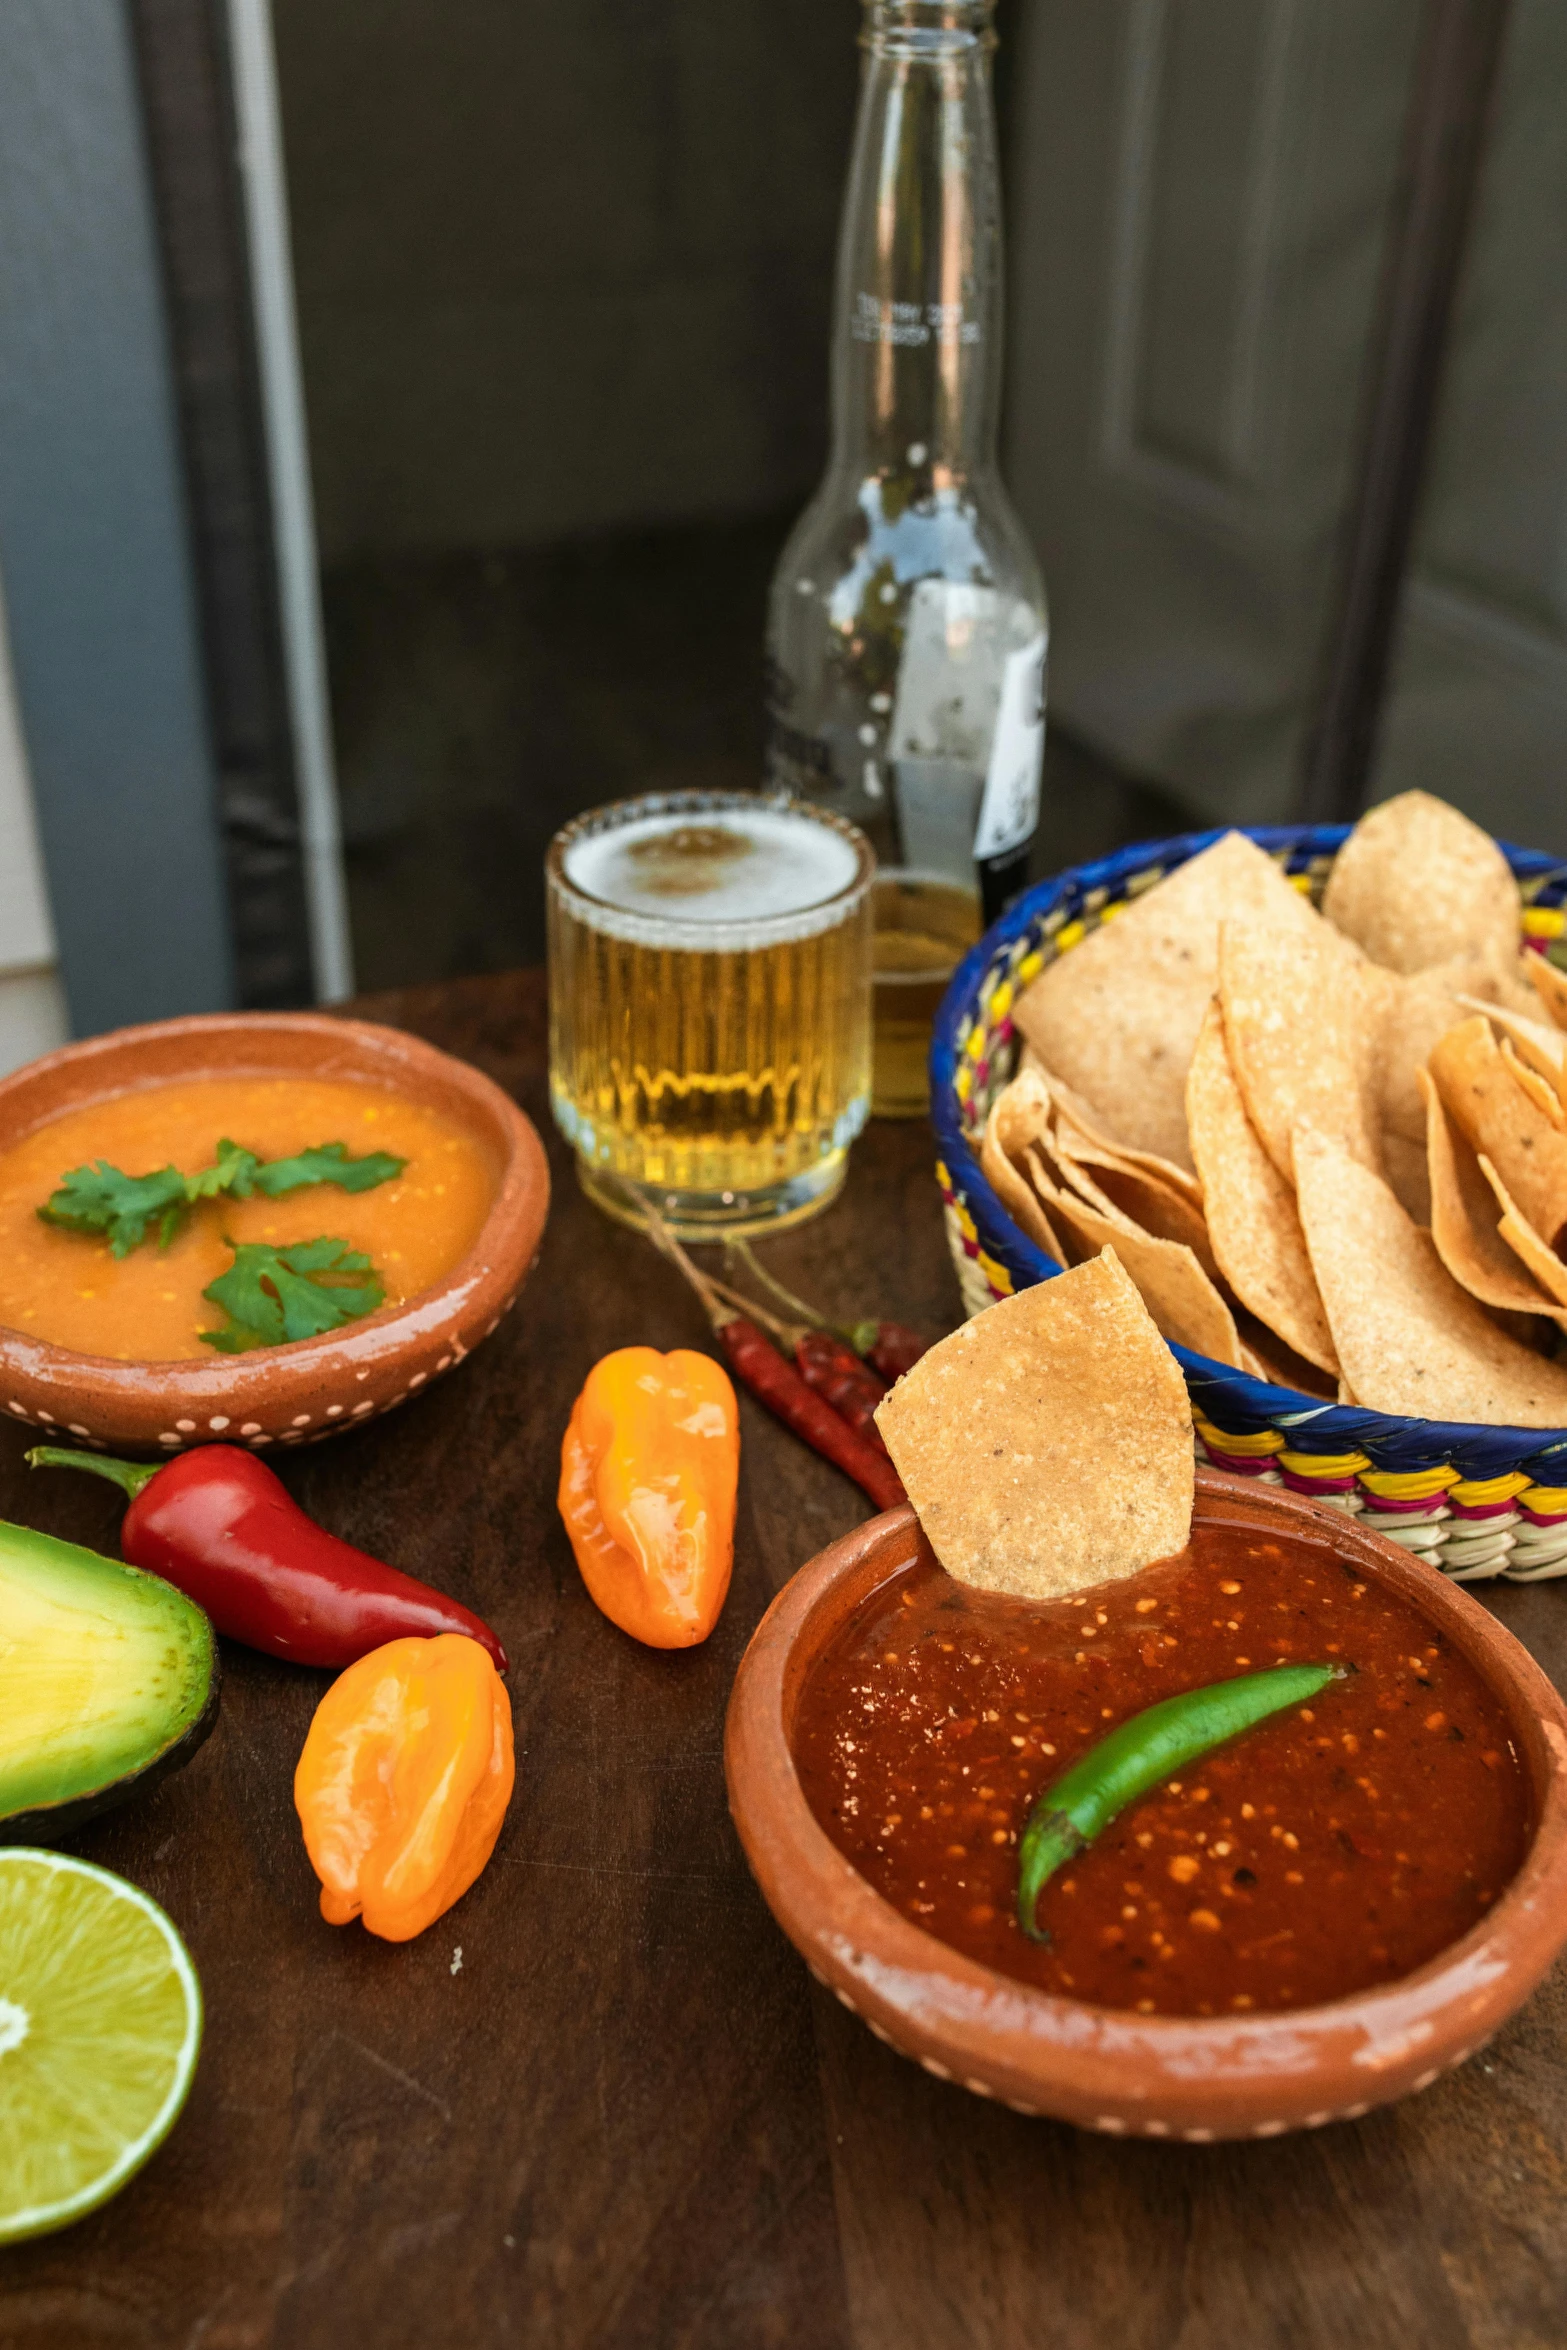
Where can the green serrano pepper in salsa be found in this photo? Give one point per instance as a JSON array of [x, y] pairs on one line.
[[1137, 1756]]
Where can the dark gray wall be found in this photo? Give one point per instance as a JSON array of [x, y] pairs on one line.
[[92, 542], [561, 267]]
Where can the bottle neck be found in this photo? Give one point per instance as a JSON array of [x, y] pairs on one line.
[[917, 341]]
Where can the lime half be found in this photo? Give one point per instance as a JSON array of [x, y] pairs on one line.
[[100, 2024]]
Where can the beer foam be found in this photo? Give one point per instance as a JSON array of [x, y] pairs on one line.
[[739, 867]]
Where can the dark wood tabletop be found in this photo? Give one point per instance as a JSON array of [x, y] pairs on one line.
[[601, 2102]]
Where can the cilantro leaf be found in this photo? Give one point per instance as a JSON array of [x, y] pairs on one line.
[[272, 1295], [328, 1162], [100, 1200], [233, 1172]]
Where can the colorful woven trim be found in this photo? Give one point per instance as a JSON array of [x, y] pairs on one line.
[[978, 1273], [1472, 1528], [1477, 1502]]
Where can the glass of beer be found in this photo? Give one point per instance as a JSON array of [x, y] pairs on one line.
[[710, 959]]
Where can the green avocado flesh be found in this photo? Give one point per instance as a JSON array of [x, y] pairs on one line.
[[106, 1674]]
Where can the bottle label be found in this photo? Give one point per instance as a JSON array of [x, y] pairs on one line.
[[1009, 811], [910, 325]]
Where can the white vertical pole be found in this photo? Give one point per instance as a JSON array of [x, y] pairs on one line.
[[288, 464]]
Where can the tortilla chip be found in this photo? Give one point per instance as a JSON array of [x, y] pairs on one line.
[[1252, 1219], [1264, 1355], [1464, 1221], [1409, 1338], [1073, 1119], [1047, 1444], [1417, 1014], [1406, 1174], [1539, 1043], [1416, 883], [1173, 1286], [1482, 1095], [1540, 1089], [1302, 1027], [1067, 1178], [1151, 1204], [1522, 1238], [1011, 1188], [1030, 1107], [1550, 985], [1118, 1015]]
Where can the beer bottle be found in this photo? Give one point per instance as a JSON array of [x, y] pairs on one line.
[[907, 627]]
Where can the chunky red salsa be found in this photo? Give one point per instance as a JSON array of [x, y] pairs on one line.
[[1337, 1845]]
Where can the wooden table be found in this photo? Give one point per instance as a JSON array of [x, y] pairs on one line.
[[601, 2102]]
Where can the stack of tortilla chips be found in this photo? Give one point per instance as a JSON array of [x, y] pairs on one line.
[[1329, 1149]]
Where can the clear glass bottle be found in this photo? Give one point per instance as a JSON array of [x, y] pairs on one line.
[[907, 626]]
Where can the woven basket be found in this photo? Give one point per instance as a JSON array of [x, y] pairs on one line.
[[1475, 1501]]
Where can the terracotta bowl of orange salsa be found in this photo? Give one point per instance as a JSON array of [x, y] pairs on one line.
[[109, 1351], [1325, 1915]]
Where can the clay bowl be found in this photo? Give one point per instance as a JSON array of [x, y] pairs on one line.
[[316, 1386], [1126, 2074]]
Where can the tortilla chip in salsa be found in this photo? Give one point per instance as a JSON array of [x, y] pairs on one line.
[[1046, 1445]]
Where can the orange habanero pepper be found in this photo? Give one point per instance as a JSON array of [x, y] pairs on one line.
[[403, 1783], [648, 1473]]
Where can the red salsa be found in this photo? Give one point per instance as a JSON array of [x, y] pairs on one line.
[[1337, 1845]]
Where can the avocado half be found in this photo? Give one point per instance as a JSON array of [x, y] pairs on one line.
[[108, 1680]]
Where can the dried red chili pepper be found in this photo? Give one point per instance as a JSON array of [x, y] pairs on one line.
[[759, 1366], [832, 1370], [841, 1379], [896, 1349], [890, 1347], [217, 1524]]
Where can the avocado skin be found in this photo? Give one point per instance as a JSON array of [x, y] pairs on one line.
[[49, 1823]]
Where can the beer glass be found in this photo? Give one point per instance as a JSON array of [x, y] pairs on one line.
[[709, 962]]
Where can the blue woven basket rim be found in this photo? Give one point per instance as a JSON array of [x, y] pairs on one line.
[[1227, 1397]]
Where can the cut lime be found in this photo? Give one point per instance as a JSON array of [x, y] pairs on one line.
[[100, 2023]]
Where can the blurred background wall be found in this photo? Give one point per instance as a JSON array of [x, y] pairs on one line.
[[560, 270], [1203, 191], [567, 386], [1477, 708], [564, 297], [564, 282]]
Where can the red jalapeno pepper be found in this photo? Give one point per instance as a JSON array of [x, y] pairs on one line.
[[217, 1524]]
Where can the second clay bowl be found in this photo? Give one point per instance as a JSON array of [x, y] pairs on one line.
[[1184, 2077]]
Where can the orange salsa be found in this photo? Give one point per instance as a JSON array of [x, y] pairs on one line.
[[67, 1288]]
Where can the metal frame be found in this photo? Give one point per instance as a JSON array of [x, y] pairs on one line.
[[94, 547], [210, 99]]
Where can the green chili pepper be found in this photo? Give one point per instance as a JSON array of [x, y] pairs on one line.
[[1071, 1812]]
